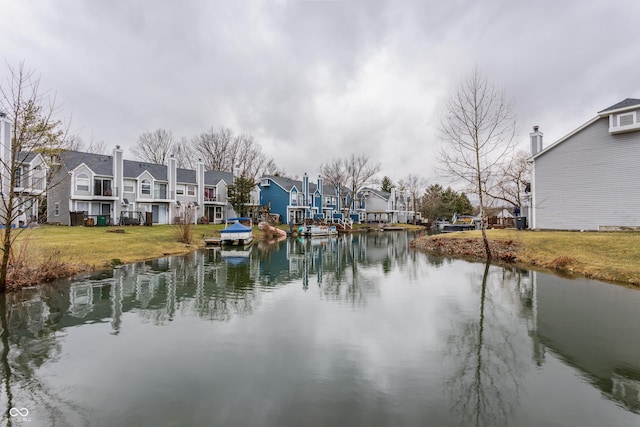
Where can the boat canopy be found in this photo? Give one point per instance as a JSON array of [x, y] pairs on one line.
[[236, 227]]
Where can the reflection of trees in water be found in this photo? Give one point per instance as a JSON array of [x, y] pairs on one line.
[[29, 339], [484, 386]]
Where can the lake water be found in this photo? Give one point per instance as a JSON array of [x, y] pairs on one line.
[[353, 331]]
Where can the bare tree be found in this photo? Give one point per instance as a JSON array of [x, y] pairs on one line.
[[479, 129], [360, 172], [76, 143], [184, 154], [155, 147], [351, 173], [221, 150], [513, 177], [413, 186], [214, 148], [33, 130]]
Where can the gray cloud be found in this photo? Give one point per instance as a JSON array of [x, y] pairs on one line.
[[314, 80]]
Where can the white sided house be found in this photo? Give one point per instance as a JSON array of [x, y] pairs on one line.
[[590, 179], [30, 180], [109, 190]]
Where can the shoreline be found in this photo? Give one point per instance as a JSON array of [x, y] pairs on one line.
[[515, 252]]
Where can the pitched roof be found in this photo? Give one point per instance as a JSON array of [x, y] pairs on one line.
[[382, 194], [214, 177], [133, 169], [288, 184], [629, 102], [26, 157], [100, 164], [186, 176]]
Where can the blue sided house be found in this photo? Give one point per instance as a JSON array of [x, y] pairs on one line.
[[295, 201]]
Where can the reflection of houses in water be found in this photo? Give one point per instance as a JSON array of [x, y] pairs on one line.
[[595, 329], [208, 283]]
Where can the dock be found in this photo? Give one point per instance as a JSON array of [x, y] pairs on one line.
[[212, 241]]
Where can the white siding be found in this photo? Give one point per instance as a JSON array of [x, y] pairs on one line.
[[589, 180]]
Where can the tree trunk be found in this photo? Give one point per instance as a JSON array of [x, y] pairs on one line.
[[6, 254]]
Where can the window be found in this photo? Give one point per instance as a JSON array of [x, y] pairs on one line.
[[264, 182], [102, 187], [82, 182], [160, 191], [129, 185], [209, 194], [146, 187], [180, 189], [18, 177], [191, 190], [626, 119], [56, 209]]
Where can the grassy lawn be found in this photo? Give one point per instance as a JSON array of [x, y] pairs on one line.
[[613, 256], [95, 247]]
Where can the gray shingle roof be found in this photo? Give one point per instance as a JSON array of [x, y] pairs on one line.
[[133, 169], [214, 177], [288, 184], [186, 176], [99, 163], [26, 157], [629, 102]]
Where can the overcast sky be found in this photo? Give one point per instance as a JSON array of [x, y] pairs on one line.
[[316, 80]]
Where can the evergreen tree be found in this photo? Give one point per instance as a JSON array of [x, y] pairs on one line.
[[387, 184], [239, 194]]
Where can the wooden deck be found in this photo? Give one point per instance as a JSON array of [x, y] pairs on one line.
[[212, 241]]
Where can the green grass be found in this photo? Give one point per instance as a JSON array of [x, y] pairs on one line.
[[96, 247], [612, 256]]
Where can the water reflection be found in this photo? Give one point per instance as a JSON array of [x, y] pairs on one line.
[[360, 319]]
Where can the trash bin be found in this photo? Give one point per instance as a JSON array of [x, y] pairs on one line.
[[102, 220], [521, 222], [148, 218]]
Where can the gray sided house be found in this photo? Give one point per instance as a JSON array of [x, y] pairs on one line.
[[388, 207], [111, 190], [589, 180]]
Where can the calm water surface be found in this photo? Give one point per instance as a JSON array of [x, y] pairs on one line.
[[353, 331]]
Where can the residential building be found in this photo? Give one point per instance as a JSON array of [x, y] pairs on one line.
[[119, 191], [294, 201], [30, 178], [389, 207], [588, 180]]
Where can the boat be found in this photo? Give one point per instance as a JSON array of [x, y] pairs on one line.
[[461, 223], [318, 230], [238, 233]]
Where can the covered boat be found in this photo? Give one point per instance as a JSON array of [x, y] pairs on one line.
[[239, 232]]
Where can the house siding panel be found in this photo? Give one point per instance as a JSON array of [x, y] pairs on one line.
[[59, 193], [277, 199], [589, 180]]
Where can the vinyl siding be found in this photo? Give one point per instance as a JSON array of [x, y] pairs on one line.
[[59, 193], [277, 198], [589, 180]]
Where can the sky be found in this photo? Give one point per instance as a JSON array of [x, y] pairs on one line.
[[317, 80]]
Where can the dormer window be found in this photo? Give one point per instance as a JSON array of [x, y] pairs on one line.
[[626, 121]]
